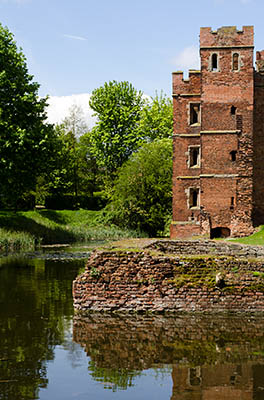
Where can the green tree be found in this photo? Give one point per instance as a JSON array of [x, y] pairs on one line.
[[74, 168], [90, 176], [156, 120], [117, 106], [142, 191], [25, 139]]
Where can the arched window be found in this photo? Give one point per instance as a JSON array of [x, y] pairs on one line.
[[214, 62], [235, 62]]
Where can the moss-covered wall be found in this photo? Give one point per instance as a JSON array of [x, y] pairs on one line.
[[145, 280]]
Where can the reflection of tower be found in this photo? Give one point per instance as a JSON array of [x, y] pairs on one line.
[[218, 382], [186, 383]]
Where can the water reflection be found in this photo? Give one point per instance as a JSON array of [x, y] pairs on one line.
[[211, 358], [200, 357], [35, 313]]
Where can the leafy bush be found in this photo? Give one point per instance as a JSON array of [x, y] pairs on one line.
[[142, 191]]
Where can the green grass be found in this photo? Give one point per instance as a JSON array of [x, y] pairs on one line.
[[255, 239], [24, 229]]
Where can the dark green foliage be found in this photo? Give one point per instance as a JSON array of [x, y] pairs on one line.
[[142, 191], [25, 139]]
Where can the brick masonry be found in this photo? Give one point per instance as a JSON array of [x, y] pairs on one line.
[[151, 281], [228, 132]]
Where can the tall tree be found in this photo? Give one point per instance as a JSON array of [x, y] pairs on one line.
[[117, 106], [156, 120], [25, 138]]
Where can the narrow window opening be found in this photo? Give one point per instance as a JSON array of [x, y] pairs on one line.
[[232, 203], [235, 62], [233, 110], [214, 62], [194, 197], [194, 154], [194, 114], [233, 155]]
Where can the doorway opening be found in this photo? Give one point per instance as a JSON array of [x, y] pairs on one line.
[[219, 232]]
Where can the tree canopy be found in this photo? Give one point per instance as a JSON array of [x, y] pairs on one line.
[[25, 139], [117, 106], [156, 121]]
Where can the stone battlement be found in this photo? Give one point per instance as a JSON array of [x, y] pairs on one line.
[[227, 36]]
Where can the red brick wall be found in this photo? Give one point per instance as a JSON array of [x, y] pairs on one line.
[[220, 89], [138, 281], [258, 157]]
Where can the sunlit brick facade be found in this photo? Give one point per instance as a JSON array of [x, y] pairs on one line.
[[218, 141]]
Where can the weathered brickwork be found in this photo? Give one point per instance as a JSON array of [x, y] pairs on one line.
[[218, 140], [149, 280]]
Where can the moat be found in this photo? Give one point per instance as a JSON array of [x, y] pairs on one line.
[[47, 353]]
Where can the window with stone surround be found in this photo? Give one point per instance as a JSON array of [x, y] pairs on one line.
[[194, 157], [214, 62], [235, 62], [194, 200], [195, 113]]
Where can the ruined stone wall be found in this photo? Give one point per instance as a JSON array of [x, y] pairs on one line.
[[127, 281], [208, 247]]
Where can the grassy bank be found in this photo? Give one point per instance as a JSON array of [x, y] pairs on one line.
[[23, 229], [255, 239]]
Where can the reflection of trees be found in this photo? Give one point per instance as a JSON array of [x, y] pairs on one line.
[[120, 346], [112, 378], [35, 310]]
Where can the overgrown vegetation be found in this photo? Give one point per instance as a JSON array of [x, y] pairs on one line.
[[142, 192], [24, 230]]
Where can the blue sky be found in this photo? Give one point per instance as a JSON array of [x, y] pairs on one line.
[[74, 46]]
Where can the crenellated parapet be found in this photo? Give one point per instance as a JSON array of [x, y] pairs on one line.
[[227, 36], [190, 86]]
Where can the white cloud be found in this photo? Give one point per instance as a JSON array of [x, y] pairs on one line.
[[59, 108], [188, 58], [74, 37]]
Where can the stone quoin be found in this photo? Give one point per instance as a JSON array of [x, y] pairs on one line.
[[218, 138]]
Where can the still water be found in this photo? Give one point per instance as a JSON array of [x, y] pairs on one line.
[[47, 353]]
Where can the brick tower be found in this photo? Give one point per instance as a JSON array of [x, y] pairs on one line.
[[218, 141]]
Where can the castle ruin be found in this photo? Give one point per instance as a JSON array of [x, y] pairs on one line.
[[218, 140]]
